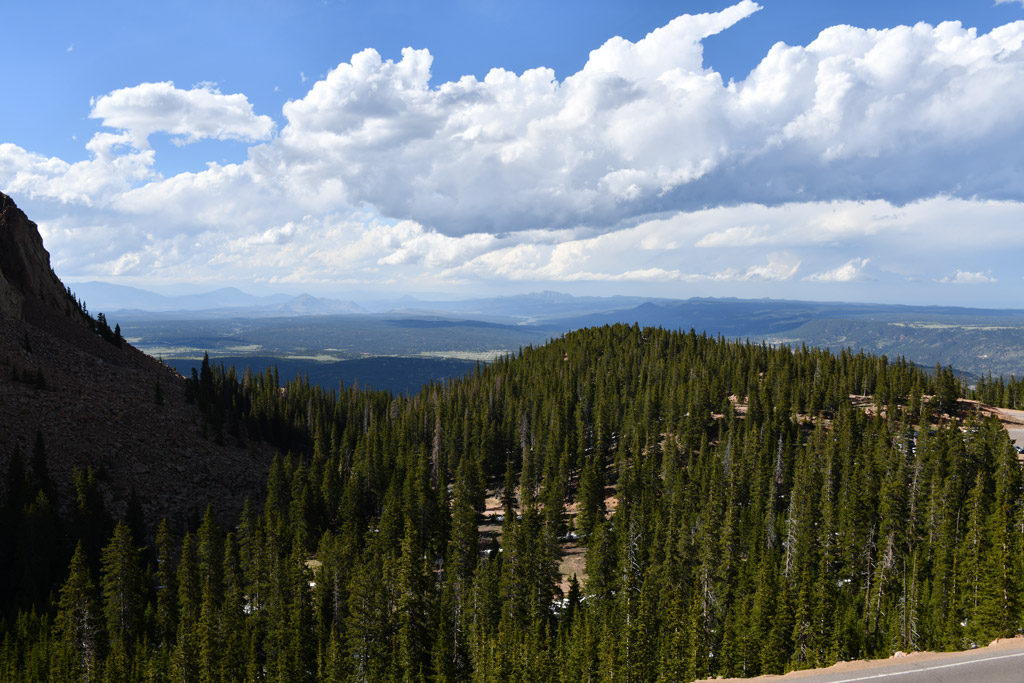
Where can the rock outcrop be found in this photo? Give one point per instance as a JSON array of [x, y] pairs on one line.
[[25, 271]]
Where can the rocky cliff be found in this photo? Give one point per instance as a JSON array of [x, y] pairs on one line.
[[25, 272]]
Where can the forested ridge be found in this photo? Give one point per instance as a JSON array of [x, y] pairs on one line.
[[745, 509]]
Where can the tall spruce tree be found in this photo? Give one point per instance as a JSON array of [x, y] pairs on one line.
[[78, 629]]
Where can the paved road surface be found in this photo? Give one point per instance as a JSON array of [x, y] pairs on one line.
[[1002, 662], [970, 666]]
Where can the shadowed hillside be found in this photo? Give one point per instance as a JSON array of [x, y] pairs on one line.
[[70, 382]]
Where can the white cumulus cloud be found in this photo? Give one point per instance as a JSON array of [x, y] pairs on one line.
[[89, 183], [848, 272], [190, 115], [902, 113]]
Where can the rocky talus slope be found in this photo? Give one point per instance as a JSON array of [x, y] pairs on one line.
[[95, 402]]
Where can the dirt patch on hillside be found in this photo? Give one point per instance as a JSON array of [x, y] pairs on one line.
[[572, 557], [572, 562]]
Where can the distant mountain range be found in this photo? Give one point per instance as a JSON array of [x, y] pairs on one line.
[[533, 308], [123, 300], [975, 341], [521, 308]]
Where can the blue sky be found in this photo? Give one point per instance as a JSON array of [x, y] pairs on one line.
[[818, 150]]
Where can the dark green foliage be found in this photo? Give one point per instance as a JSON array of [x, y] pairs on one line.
[[252, 406], [740, 515], [165, 586], [1006, 393], [124, 587], [90, 522], [33, 549], [102, 328], [397, 374]]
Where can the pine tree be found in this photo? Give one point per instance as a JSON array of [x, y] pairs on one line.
[[231, 617], [413, 609], [368, 626], [462, 555], [91, 524], [78, 630], [38, 535], [166, 587], [186, 653], [123, 585]]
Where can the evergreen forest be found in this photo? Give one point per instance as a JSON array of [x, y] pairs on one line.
[[741, 509]]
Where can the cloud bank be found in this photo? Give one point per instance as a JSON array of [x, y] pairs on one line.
[[863, 147], [900, 114]]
